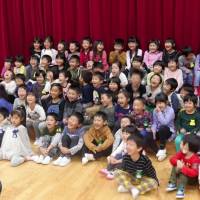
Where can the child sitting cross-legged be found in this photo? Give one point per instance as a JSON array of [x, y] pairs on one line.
[[98, 139], [72, 139], [115, 159], [137, 176], [184, 166]]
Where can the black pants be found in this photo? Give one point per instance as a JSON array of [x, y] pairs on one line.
[[103, 153], [150, 142]]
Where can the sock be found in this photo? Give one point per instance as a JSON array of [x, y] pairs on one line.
[[135, 193]]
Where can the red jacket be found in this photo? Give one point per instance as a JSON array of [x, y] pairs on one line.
[[84, 57], [190, 167]]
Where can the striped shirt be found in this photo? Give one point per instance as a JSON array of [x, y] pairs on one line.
[[143, 163]]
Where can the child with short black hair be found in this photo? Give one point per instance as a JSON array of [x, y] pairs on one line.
[[98, 139], [20, 80], [137, 176], [169, 88], [71, 141], [114, 87], [188, 120], [45, 62], [184, 166], [21, 99], [73, 49], [19, 65], [65, 81]]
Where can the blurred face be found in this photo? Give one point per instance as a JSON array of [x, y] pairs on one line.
[[190, 57], [44, 62], [7, 65], [8, 75], [22, 93], [122, 100], [172, 65], [132, 46], [153, 47], [73, 63], [168, 46], [100, 47], [184, 148], [115, 69], [72, 47], [31, 99], [49, 76], [155, 81], [18, 64], [36, 45], [85, 44], [113, 86], [183, 93], [125, 135], [138, 106], [118, 47], [136, 64], [60, 47], [40, 79], [98, 122], [161, 105], [72, 123], [125, 122], [51, 122], [62, 78], [1, 118], [19, 81], [47, 44], [166, 88], [132, 148], [72, 95], [59, 61], [15, 120], [157, 69], [96, 82], [105, 100], [189, 106], [33, 62], [135, 80], [55, 92]]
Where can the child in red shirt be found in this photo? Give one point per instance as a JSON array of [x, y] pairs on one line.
[[185, 165]]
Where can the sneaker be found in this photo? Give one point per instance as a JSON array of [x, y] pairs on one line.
[[110, 176], [57, 161], [40, 159], [161, 152], [135, 193], [171, 187], [122, 189], [89, 156], [104, 171], [84, 161], [46, 160], [34, 158], [64, 161], [180, 194], [36, 143], [162, 157]]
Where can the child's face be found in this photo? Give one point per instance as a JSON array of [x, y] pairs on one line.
[[189, 106], [47, 44], [157, 69], [8, 75], [135, 79], [118, 47], [18, 64], [115, 69], [168, 46], [183, 93], [51, 122], [113, 86], [96, 81], [172, 65], [85, 44], [132, 148], [15, 120], [1, 118], [190, 57], [72, 95], [19, 81], [125, 135], [72, 47], [161, 105], [62, 78], [54, 92], [105, 100], [72, 123], [73, 63], [40, 79], [60, 47], [50, 76], [33, 62], [122, 100], [166, 88], [153, 47], [155, 81], [125, 122], [184, 148], [98, 122], [7, 65], [136, 64], [100, 47], [31, 99], [138, 106], [44, 62], [22, 93], [59, 61], [36, 45], [132, 46]]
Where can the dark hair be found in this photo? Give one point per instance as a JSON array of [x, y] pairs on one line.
[[128, 117], [125, 93], [188, 88], [172, 82], [76, 44], [137, 59], [49, 38], [86, 76], [47, 57], [20, 111], [137, 138], [193, 142], [108, 94], [99, 75], [4, 112], [186, 51], [9, 59], [58, 85], [75, 57], [115, 80], [75, 88], [154, 41], [161, 97], [172, 41], [118, 64], [54, 71], [79, 116], [36, 40], [98, 65], [87, 38], [96, 43], [3, 93], [54, 115], [137, 72], [131, 129], [67, 74], [192, 98], [119, 41], [35, 57], [23, 86], [64, 44], [140, 99], [160, 63], [62, 57], [174, 59], [134, 40], [101, 115], [20, 76], [19, 58], [39, 72]]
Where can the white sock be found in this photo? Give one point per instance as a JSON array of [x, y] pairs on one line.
[[135, 193]]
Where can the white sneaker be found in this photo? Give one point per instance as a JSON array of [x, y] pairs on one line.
[[162, 157], [35, 158], [135, 193], [121, 189], [84, 161], [46, 160], [161, 152], [89, 156], [36, 143], [57, 161], [64, 161], [40, 159]]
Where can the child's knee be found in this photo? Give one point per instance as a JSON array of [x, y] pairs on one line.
[[178, 139], [16, 160]]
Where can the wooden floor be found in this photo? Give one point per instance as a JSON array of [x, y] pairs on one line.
[[75, 182]]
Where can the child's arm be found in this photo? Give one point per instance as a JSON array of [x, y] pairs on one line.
[[178, 156], [166, 118], [88, 138], [77, 147], [192, 171], [55, 141]]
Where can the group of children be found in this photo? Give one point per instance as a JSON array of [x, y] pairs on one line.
[[79, 101]]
